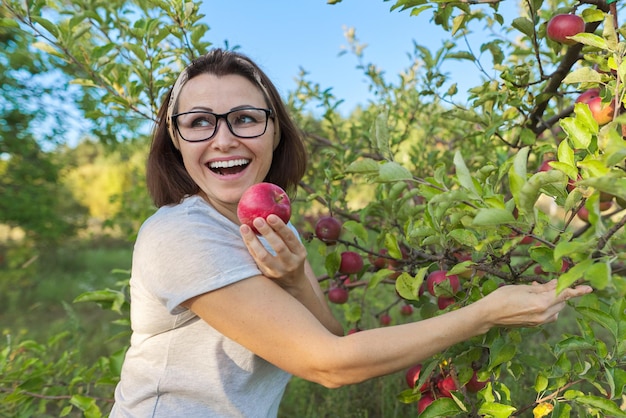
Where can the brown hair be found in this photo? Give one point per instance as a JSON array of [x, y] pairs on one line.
[[167, 179]]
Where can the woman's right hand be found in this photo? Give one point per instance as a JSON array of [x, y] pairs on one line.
[[529, 305]]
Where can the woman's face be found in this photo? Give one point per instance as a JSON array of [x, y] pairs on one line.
[[225, 165]]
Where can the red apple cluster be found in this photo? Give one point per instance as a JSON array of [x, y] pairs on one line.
[[443, 286], [438, 385]]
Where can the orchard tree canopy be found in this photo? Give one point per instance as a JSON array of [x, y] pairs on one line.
[[444, 200]]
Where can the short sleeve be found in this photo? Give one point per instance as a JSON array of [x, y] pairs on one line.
[[188, 250]]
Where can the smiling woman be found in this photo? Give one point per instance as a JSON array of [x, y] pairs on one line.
[[221, 316]]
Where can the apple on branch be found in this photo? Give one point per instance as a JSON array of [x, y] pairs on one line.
[[338, 295], [562, 26], [328, 229], [437, 277], [351, 262], [601, 112], [261, 200]]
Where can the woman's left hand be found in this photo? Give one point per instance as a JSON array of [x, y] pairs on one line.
[[287, 265]]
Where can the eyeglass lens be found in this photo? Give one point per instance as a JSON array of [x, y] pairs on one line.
[[201, 125]]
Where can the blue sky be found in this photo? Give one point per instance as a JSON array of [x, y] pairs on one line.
[[283, 36]]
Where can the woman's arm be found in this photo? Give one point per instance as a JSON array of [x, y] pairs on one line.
[[258, 314], [289, 267]]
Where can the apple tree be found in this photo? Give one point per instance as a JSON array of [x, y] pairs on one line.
[[440, 200], [446, 201]]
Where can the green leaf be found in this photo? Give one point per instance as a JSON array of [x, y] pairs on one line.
[[602, 318], [604, 404], [364, 166], [567, 248], [463, 174], [577, 131], [566, 155], [378, 277], [357, 229], [391, 243], [442, 407], [583, 75], [47, 25], [574, 343], [332, 262], [380, 135], [532, 188], [9, 23], [500, 352], [493, 217], [568, 278], [599, 275], [392, 171], [608, 184], [591, 40], [408, 286], [525, 26], [464, 237], [496, 410]]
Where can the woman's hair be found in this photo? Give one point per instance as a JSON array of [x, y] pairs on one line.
[[167, 179]]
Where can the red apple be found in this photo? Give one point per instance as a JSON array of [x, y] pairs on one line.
[[412, 375], [261, 200], [338, 295], [328, 229], [605, 206], [606, 197], [439, 276], [424, 402], [351, 262], [443, 302], [354, 330], [602, 113], [446, 385], [474, 385], [406, 310], [379, 261], [545, 166], [583, 214], [561, 26], [385, 319]]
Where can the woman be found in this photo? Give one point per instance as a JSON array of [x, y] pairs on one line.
[[222, 318]]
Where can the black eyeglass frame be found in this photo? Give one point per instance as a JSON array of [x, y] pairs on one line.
[[269, 114]]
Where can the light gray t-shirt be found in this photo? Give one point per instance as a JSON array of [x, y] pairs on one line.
[[177, 365]]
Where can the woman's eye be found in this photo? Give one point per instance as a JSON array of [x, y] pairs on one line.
[[201, 122], [244, 118]]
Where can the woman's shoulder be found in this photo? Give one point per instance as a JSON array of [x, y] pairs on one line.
[[190, 215]]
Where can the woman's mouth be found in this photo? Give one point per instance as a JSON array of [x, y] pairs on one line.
[[228, 167]]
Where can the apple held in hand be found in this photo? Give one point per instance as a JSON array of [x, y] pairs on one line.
[[261, 200], [562, 26]]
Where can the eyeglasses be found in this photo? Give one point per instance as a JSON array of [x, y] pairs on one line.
[[197, 125]]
